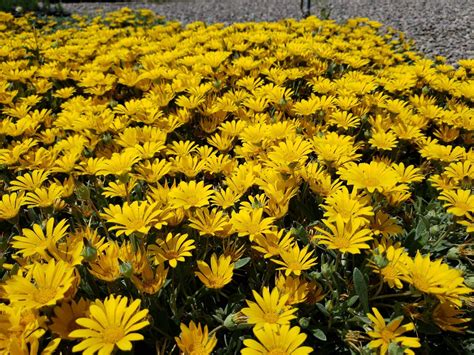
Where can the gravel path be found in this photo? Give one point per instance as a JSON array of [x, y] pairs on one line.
[[443, 27]]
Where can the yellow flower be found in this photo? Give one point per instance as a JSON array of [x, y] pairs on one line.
[[348, 237], [150, 281], [187, 195], [173, 248], [295, 260], [44, 196], [43, 285], [10, 205], [448, 317], [391, 333], [29, 181], [135, 217], [289, 155], [394, 266], [459, 202], [272, 243], [194, 340], [375, 176], [251, 223], [295, 287], [111, 323], [436, 278], [209, 222], [218, 274], [347, 205], [270, 308], [64, 320], [106, 265], [383, 140], [120, 164], [282, 341], [35, 241]]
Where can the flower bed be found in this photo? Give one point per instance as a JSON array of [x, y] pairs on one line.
[[285, 187]]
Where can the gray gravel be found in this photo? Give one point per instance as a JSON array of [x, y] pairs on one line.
[[444, 27]]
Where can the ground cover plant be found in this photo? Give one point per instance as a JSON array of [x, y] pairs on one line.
[[261, 188]]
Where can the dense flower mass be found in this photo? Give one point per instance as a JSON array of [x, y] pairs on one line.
[[254, 188]]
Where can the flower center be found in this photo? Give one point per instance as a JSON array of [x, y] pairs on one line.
[[342, 243], [216, 282], [277, 352], [372, 181], [389, 272], [271, 318], [386, 335], [45, 295], [113, 334], [198, 349], [294, 265], [136, 224], [172, 254], [421, 283]]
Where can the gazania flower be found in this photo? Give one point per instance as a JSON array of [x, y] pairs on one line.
[[270, 308], [43, 285], [218, 274], [295, 260], [111, 323], [295, 287], [347, 205], [130, 218], [120, 164], [106, 265], [194, 339], [391, 333], [373, 177], [449, 318], [383, 140], [209, 222], [272, 243], [395, 266], [173, 248], [35, 241], [251, 222], [65, 315], [436, 278], [283, 341], [191, 194], [348, 237], [10, 205], [29, 181], [150, 281], [44, 196], [458, 202]]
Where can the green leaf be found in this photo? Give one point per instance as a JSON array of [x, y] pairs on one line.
[[352, 300], [323, 309], [241, 263], [361, 289], [319, 334]]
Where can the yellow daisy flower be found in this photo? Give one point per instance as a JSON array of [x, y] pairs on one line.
[[194, 339], [218, 274], [346, 237], [270, 308], [110, 324], [391, 333], [188, 195], [173, 248], [10, 205], [295, 260], [43, 285], [282, 341]]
